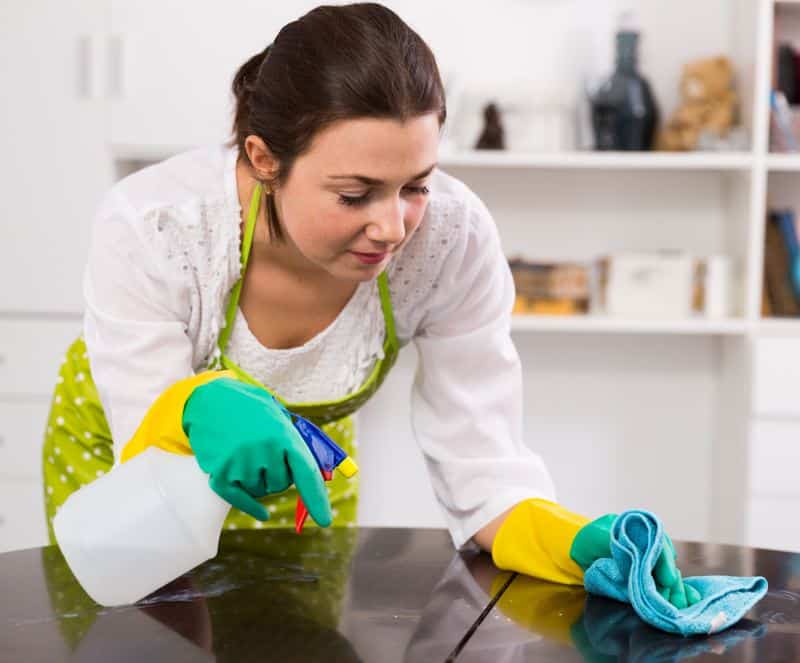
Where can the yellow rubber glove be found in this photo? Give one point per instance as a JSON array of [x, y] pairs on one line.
[[162, 426], [535, 539]]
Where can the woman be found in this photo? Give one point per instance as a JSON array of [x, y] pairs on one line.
[[359, 246]]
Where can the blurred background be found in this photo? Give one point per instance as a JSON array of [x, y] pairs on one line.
[[638, 158]]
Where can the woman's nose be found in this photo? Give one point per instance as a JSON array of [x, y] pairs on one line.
[[389, 226]]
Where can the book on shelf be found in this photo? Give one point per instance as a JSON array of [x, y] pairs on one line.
[[782, 127], [550, 288], [787, 73], [527, 306], [780, 259], [766, 305], [788, 226]]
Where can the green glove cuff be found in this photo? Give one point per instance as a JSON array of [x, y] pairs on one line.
[[593, 541]]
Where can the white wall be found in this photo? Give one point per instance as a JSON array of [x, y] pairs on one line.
[[602, 459]]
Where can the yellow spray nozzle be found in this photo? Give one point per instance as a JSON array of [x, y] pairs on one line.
[[347, 467]]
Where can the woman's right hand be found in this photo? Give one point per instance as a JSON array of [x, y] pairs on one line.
[[246, 442]]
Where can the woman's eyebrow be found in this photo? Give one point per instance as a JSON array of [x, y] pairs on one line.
[[373, 182]]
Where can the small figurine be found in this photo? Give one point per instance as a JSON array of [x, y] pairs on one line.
[[708, 105], [493, 136]]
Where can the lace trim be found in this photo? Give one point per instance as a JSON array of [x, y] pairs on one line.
[[331, 365]]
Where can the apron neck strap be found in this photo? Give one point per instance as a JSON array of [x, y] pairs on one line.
[[391, 343], [247, 244]]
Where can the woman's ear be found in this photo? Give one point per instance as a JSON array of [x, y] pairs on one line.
[[264, 163]]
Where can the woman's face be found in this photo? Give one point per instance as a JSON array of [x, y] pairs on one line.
[[359, 193]]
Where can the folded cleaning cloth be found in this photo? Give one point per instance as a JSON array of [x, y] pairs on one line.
[[636, 541]]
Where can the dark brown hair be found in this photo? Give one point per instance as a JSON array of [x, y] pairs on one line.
[[333, 63]]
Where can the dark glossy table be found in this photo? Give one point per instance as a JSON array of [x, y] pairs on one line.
[[373, 595]]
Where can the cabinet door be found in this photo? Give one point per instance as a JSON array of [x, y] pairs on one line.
[[176, 63], [31, 353], [775, 459], [22, 426], [771, 523], [22, 518], [53, 139], [776, 371]]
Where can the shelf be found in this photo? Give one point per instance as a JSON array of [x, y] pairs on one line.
[[783, 162], [779, 327], [711, 161], [603, 325]]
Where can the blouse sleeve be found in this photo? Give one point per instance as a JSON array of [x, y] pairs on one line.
[[135, 322], [467, 394]]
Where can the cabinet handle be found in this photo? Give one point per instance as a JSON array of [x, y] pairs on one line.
[[115, 67], [84, 68]]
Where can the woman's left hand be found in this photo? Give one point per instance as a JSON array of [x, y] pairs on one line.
[[593, 541]]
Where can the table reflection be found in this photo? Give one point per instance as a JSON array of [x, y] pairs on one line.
[[256, 601], [536, 620], [378, 595]]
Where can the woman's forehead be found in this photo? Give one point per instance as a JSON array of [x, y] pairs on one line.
[[375, 147]]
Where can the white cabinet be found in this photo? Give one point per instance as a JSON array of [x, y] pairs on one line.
[[775, 459], [772, 523], [22, 521], [776, 366], [774, 449], [54, 143], [176, 63], [56, 166], [22, 425], [31, 352]]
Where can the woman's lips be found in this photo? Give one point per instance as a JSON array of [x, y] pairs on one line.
[[370, 258]]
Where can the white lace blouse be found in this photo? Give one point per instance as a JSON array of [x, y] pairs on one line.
[[333, 364], [164, 257]]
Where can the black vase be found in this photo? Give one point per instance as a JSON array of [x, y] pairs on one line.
[[624, 111]]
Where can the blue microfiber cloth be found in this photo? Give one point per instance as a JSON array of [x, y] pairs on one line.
[[627, 576]]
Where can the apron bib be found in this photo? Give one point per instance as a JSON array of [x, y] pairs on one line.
[[78, 447]]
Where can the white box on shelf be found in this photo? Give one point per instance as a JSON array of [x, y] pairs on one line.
[[650, 285]]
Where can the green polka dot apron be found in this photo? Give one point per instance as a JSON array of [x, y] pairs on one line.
[[78, 446]]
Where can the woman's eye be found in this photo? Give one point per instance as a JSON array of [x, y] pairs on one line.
[[420, 190], [353, 200]]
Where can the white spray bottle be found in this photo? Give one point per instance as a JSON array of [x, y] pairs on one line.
[[145, 523]]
